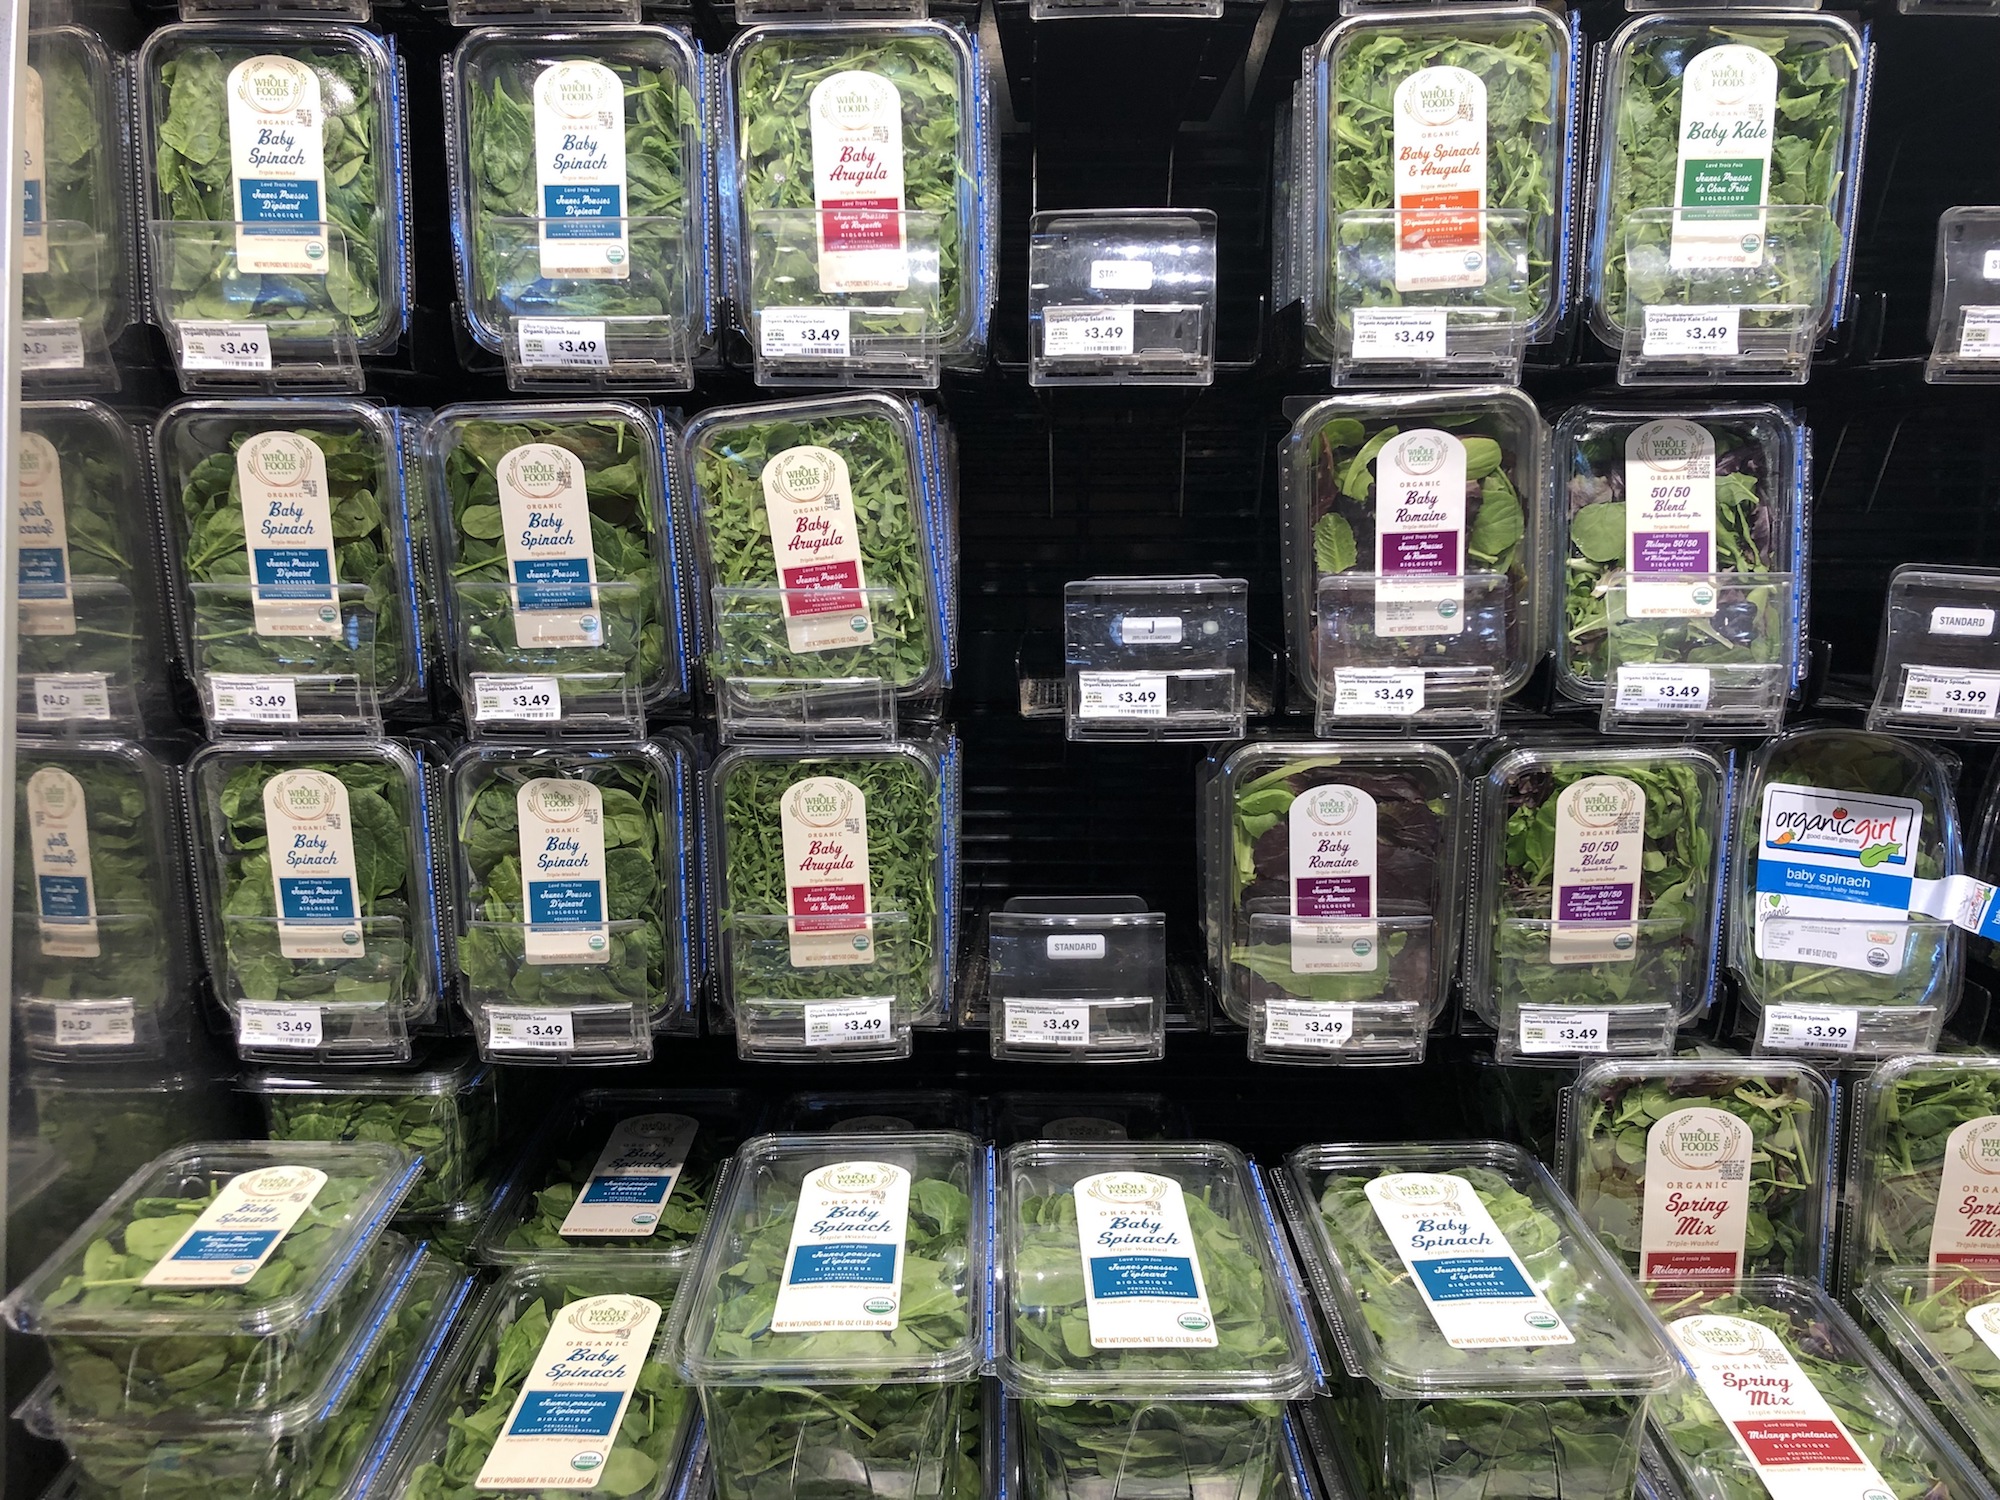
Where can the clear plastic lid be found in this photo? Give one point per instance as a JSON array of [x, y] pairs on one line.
[[1085, 1117], [1750, 1138], [1197, 1310], [878, 1110], [80, 270], [1935, 657], [782, 1292], [1558, 1316], [1943, 1326]]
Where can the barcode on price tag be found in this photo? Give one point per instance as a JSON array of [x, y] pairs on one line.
[[1811, 1028], [1946, 694], [536, 699], [1047, 1023], [1121, 695], [225, 346], [564, 343], [52, 344], [1367, 692], [1664, 690], [1979, 333], [1547, 1029], [1071, 331], [848, 1023], [509, 1029], [803, 332], [72, 695], [1398, 333], [1307, 1025], [1692, 330], [263, 1024], [94, 1023], [253, 700]]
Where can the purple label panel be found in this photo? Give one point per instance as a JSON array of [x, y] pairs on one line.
[[1332, 896], [1594, 903], [1669, 552], [1432, 554]]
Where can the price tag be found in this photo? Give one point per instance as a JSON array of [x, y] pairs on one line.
[[1692, 330], [1307, 1025], [1368, 692], [803, 332], [263, 1024], [72, 695], [52, 344], [1048, 1023], [1979, 334], [537, 699], [1947, 694], [564, 344], [1989, 264], [1547, 1029], [1812, 1028], [848, 1023], [94, 1023], [253, 700], [1660, 690], [510, 1029], [1121, 695], [1398, 333], [225, 346], [1068, 332]]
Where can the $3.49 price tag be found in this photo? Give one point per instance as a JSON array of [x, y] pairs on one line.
[[537, 699], [253, 700], [1811, 1028], [1369, 692], [72, 695], [1946, 694], [1398, 333], [52, 344], [803, 333], [1551, 1029], [1068, 332], [1663, 690], [262, 1024], [848, 1023], [1046, 1023], [1692, 330], [1121, 695], [563, 344], [241, 347], [513, 1030], [1307, 1025], [94, 1023]]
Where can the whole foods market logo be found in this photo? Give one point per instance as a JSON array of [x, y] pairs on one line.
[[806, 475], [55, 793], [558, 801], [306, 797], [656, 1127], [1672, 446], [1130, 1189], [609, 1315], [1332, 806], [1698, 1140], [280, 461], [1602, 802], [1422, 454], [822, 802], [275, 1183], [1441, 96], [1979, 1146], [538, 471], [576, 90], [847, 97], [1731, 1336], [856, 1179], [1420, 1190], [273, 85]]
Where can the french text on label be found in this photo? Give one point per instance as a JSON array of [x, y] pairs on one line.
[[1399, 333], [1073, 332], [74, 695], [1654, 690], [1366, 692], [1812, 1028], [241, 347], [530, 698], [803, 332], [848, 1023], [1692, 330], [254, 700], [1048, 1023], [563, 343], [1559, 1029], [1308, 1025], [1121, 695], [1947, 694], [261, 1024], [514, 1030]]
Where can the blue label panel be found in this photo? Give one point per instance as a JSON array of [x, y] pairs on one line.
[[627, 1190], [1114, 1276], [554, 580], [1778, 876], [31, 204], [567, 1414], [315, 898], [816, 1265], [227, 1244], [43, 574], [64, 895], [1473, 1278], [581, 213], [292, 572], [565, 901], [279, 206]]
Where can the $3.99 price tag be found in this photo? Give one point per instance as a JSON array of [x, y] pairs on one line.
[[1069, 332], [1664, 690], [563, 343], [1121, 695], [1398, 333], [535, 699], [1046, 1023], [803, 333], [1307, 1025], [1940, 692], [1811, 1028], [1674, 331], [241, 347], [253, 700], [293, 1027], [1370, 692], [848, 1023], [510, 1029], [1549, 1029]]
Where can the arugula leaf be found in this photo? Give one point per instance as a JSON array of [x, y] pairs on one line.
[[80, 184], [448, 1116]]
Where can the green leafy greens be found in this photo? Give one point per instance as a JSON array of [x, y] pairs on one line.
[[1937, 1307], [80, 184], [111, 588], [453, 1132], [1901, 1170], [569, 1170]]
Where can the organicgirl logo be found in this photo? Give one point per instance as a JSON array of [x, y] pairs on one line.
[[823, 802], [1699, 1140], [539, 471], [279, 1184], [1805, 821], [856, 1179], [1130, 1190], [1332, 806]]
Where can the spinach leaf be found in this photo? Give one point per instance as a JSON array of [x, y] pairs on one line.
[[1912, 1109], [568, 1170], [1931, 1311], [450, 1119], [80, 184]]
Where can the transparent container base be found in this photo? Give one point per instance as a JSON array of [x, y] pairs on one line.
[[792, 664], [1577, 989], [1362, 989], [1965, 282], [1423, 655], [1883, 997], [358, 1008], [543, 659], [1077, 980], [820, 989], [1708, 651], [561, 992]]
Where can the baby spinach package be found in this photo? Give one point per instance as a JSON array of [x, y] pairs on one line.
[[75, 231]]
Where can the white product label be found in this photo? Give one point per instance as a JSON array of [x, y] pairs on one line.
[[1965, 1222], [509, 1028], [1664, 690], [633, 1179], [1398, 333], [253, 700], [1600, 856], [1307, 1025], [1047, 1023], [1367, 692], [34, 201], [210, 344], [1776, 1414], [849, 1023], [311, 839], [1949, 694], [1948, 619], [573, 1400], [1845, 858], [63, 696], [1121, 695], [1669, 519], [1989, 265], [1332, 833], [1697, 1211], [277, 167], [1420, 535], [1985, 1322], [1440, 179], [857, 149], [535, 700], [94, 1023], [824, 822], [229, 1243], [1078, 945], [562, 871], [288, 525], [1475, 1286], [1150, 630], [844, 1266], [580, 171], [1121, 275], [562, 344], [41, 541], [52, 344], [265, 1025], [1085, 332], [1811, 1028], [65, 884], [1559, 1030], [816, 542], [1676, 331], [1142, 1280], [1979, 333], [545, 519], [803, 332], [1729, 98]]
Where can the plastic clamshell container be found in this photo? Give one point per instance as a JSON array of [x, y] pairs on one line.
[[1937, 671], [500, 629], [567, 1177], [1646, 967], [1416, 1404], [269, 1338], [365, 999], [1155, 1394], [1890, 978], [1394, 969], [360, 650], [102, 972], [876, 1111], [1636, 1132], [1122, 296], [1335, 605], [1017, 1117], [1760, 521], [1939, 1327], [1897, 1433], [883, 1400]]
